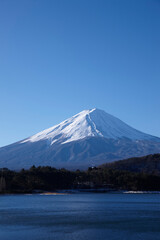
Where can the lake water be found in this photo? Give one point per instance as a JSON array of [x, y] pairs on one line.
[[80, 217]]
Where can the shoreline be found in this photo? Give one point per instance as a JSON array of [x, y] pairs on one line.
[[80, 191]]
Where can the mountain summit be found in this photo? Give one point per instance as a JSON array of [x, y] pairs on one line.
[[91, 137], [89, 123]]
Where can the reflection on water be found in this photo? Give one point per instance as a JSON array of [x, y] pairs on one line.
[[80, 216]]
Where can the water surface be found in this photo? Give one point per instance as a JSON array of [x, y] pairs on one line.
[[80, 217]]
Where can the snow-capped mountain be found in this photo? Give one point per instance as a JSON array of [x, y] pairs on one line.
[[88, 123], [91, 137]]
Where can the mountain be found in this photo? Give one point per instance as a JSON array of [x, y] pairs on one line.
[[149, 164], [91, 137]]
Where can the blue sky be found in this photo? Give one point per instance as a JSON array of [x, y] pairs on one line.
[[60, 57]]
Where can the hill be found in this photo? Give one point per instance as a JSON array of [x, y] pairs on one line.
[[149, 164]]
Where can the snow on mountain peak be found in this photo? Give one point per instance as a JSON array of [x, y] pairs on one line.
[[88, 123]]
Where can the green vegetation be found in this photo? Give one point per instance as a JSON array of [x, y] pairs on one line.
[[149, 164], [134, 174], [51, 179]]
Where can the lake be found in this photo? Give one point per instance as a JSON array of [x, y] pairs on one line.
[[80, 217]]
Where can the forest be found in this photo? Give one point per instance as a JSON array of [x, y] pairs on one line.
[[41, 179]]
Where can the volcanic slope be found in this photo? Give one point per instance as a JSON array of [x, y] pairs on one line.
[[90, 138]]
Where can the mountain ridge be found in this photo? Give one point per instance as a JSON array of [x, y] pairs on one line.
[[149, 164], [88, 123], [89, 138]]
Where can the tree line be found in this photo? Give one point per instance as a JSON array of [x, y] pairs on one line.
[[39, 179]]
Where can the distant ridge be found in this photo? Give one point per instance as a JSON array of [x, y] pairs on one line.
[[149, 164], [91, 137]]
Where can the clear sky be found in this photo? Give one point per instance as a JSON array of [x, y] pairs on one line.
[[59, 57]]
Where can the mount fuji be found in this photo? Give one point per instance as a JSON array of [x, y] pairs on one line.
[[90, 138]]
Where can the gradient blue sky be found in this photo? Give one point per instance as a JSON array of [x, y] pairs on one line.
[[59, 57]]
